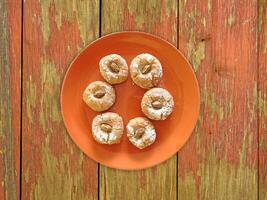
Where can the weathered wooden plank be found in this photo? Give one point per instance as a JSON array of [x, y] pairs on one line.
[[54, 32], [262, 95], [220, 160], [10, 101], [157, 17]]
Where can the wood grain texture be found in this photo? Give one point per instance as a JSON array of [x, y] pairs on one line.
[[54, 32], [220, 159], [10, 73], [159, 18], [262, 98]]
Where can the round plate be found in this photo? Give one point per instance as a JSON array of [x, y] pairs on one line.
[[178, 79]]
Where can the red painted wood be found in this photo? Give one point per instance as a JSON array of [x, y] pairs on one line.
[[53, 166], [220, 40], [262, 97], [220, 160], [10, 93]]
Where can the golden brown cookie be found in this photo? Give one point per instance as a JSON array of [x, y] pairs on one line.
[[141, 132], [146, 71], [157, 104], [107, 128], [99, 96], [113, 68]]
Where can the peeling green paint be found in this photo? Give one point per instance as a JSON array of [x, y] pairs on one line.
[[220, 113], [139, 18], [262, 142], [152, 8], [163, 177], [196, 47], [204, 22], [70, 12], [170, 7], [58, 177], [84, 21], [196, 52], [27, 175], [2, 122], [263, 191], [132, 7], [209, 6], [231, 17], [31, 98], [230, 106], [255, 101], [187, 187], [220, 179], [200, 119], [181, 8], [217, 108], [261, 17], [7, 134], [58, 20], [50, 83], [212, 105], [65, 9], [55, 171], [174, 29], [223, 180], [263, 103], [204, 91], [265, 35], [45, 20], [252, 101], [68, 48]]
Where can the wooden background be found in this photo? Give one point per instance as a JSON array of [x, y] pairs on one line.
[[225, 41]]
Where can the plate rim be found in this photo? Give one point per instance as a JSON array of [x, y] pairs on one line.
[[144, 34]]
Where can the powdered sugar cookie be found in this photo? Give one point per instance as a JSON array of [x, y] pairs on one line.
[[141, 132], [157, 104], [146, 71], [113, 68], [107, 128], [99, 96]]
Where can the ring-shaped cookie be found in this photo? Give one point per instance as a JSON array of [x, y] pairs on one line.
[[141, 132], [107, 128], [99, 96], [146, 71], [113, 69], [157, 104]]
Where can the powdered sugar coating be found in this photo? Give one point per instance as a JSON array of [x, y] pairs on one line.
[[161, 95], [108, 74], [150, 79], [112, 119], [147, 138], [99, 104]]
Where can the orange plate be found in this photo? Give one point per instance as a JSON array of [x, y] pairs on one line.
[[178, 78]]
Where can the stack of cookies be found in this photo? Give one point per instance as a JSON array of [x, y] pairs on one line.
[[157, 103]]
